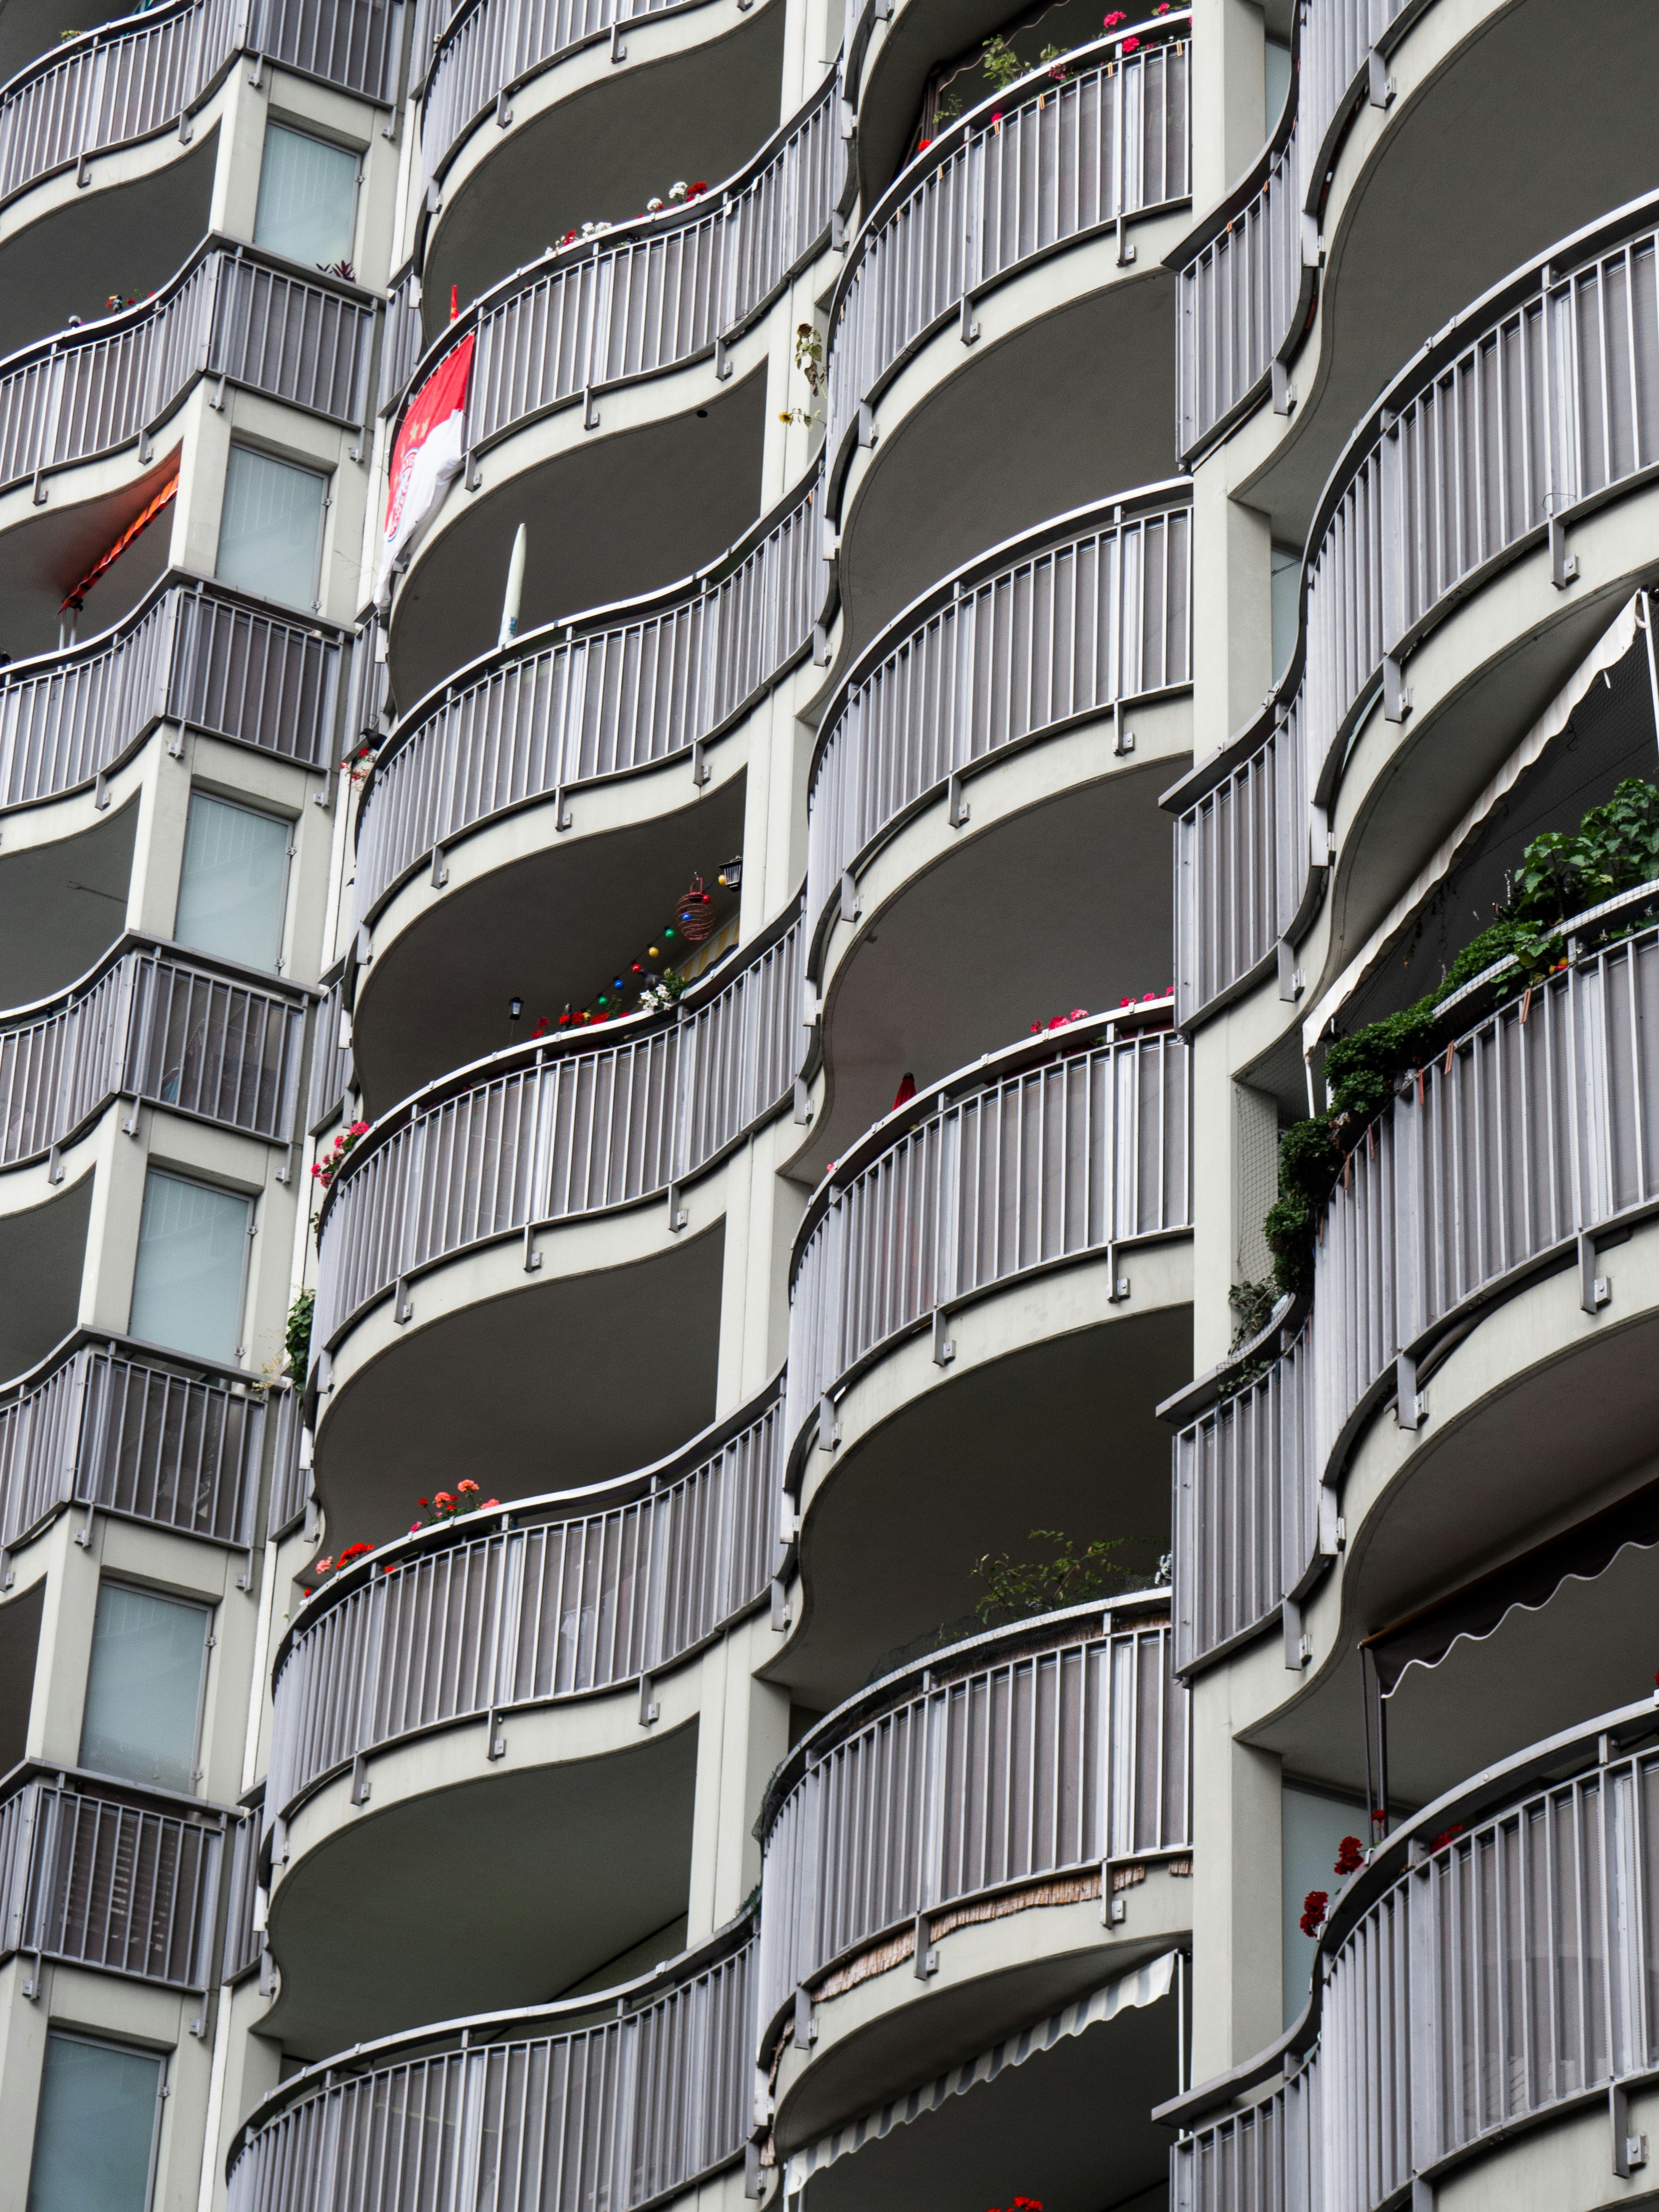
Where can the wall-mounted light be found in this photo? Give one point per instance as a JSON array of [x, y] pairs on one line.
[[732, 874]]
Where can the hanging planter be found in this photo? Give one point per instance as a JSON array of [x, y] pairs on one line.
[[695, 913]]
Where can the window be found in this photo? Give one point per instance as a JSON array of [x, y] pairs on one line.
[[1287, 599], [193, 1256], [94, 2130], [307, 199], [1275, 80], [270, 528], [233, 887], [1312, 1829], [144, 1687]]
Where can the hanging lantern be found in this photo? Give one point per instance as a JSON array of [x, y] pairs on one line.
[[695, 913]]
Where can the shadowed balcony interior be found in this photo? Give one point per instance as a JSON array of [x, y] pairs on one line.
[[599, 528], [61, 904], [1058, 1435], [20, 1645], [42, 1254], [547, 928], [585, 1861], [600, 154], [528, 1389], [125, 239], [43, 556]]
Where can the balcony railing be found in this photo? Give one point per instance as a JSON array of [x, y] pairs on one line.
[[1045, 1153], [621, 2100], [112, 1425], [1075, 620], [190, 652], [97, 1874], [485, 49], [1528, 411], [560, 1130], [1054, 1748], [651, 294], [141, 74], [998, 189], [244, 1942], [1466, 1988], [619, 690], [227, 315], [558, 1597], [154, 1024], [1537, 1127], [1247, 290]]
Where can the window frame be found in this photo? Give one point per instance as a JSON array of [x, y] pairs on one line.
[[304, 127], [209, 1612], [199, 1181], [288, 824], [162, 2055], [307, 466]]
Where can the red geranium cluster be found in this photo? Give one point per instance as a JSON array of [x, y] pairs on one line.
[[1313, 1911], [1061, 1021], [449, 1505], [328, 1167], [1350, 1855], [1022, 2204], [1447, 1836]]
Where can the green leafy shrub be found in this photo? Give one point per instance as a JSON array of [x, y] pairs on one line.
[[298, 1337], [1016, 1588]]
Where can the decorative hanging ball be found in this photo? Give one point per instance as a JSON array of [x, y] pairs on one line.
[[652, 953], [668, 933]]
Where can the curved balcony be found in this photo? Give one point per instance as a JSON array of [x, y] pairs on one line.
[[190, 653], [963, 242], [1058, 636], [647, 299], [1042, 1770], [192, 1035], [593, 704], [1034, 1157], [113, 1426], [1508, 1157], [120, 1881], [649, 2085], [485, 1172], [1379, 89], [1501, 438], [1488, 1974]]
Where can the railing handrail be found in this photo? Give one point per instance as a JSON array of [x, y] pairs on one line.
[[143, 1353], [27, 665], [1144, 1018], [632, 230], [904, 1685], [176, 956], [542, 1509], [1488, 1791], [92, 1782], [620, 1998], [476, 1074]]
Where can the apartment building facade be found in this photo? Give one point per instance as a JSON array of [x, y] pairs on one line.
[[829, 841]]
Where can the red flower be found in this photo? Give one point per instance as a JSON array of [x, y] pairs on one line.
[[1350, 1855], [1313, 1911], [1447, 1836], [1112, 21], [905, 1093], [922, 144], [1132, 45]]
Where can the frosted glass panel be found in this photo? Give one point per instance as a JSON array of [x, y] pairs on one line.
[[233, 883], [144, 1687], [1286, 603], [193, 1249], [1311, 1834], [307, 199], [95, 2128], [270, 528]]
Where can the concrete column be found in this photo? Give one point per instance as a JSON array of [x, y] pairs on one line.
[[1237, 1882], [1228, 97], [1232, 609], [742, 1737]]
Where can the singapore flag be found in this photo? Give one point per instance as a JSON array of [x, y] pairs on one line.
[[426, 459]]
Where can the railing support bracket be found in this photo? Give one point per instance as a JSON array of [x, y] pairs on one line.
[[1594, 1291], [1411, 1408], [359, 1783], [1380, 85], [828, 1429], [1629, 2151], [926, 1957], [649, 1708], [944, 1350], [1396, 695], [957, 800]]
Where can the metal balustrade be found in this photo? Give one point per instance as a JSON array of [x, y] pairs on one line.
[[228, 315], [1470, 1986], [559, 1130], [98, 1876], [190, 653], [154, 1024], [1537, 1127], [1246, 291], [1040, 1154], [114, 86], [646, 2090], [651, 294], [1022, 641], [1525, 413], [599, 697], [1001, 187], [488, 48], [112, 1425], [331, 1062], [290, 1477], [1055, 1747], [558, 1597], [244, 1942]]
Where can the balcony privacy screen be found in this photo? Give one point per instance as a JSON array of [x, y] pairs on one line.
[[1513, 1971], [558, 1133], [619, 2114], [1543, 404], [1542, 1121], [522, 1615], [1016, 1768]]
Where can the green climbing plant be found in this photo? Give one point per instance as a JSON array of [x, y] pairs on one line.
[[1016, 1588]]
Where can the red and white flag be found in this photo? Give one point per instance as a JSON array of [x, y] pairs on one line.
[[426, 458]]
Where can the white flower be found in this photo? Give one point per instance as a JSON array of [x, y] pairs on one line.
[[677, 192], [654, 207]]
